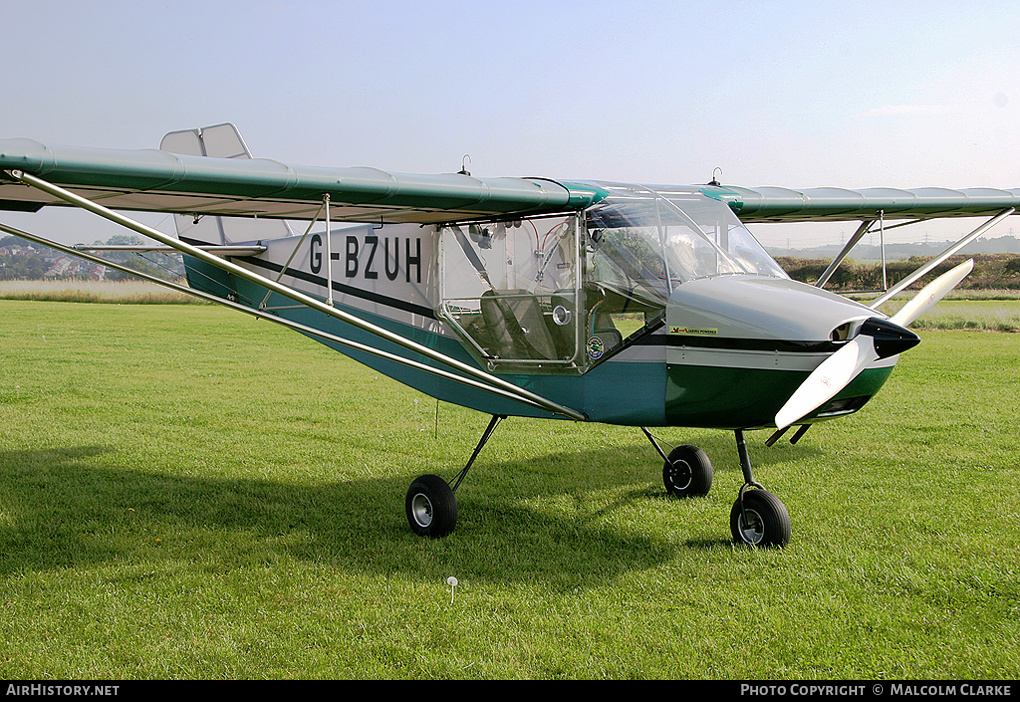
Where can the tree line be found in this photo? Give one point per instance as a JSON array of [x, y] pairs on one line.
[[20, 260], [991, 272]]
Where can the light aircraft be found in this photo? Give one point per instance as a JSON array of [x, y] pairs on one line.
[[638, 305]]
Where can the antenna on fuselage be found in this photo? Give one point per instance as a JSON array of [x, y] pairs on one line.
[[715, 181]]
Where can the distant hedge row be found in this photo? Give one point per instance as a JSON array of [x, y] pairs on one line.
[[991, 272]]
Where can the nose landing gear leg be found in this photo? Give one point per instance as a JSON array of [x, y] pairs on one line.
[[758, 517]]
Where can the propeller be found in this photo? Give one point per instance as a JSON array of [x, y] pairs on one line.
[[877, 338]]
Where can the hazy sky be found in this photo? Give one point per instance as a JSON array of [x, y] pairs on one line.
[[797, 94]]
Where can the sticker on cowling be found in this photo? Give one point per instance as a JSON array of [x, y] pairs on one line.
[[694, 331]]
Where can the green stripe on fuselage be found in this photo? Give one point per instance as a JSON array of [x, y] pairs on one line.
[[613, 392]]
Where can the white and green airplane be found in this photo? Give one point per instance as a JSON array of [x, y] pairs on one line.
[[639, 305]]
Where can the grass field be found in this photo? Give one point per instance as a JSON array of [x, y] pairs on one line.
[[985, 310], [188, 493]]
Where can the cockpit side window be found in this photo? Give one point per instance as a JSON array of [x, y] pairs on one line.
[[643, 243], [510, 289], [627, 280]]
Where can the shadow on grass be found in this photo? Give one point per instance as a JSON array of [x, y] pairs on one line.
[[71, 507]]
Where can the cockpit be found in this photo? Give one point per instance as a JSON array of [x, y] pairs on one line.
[[561, 294]]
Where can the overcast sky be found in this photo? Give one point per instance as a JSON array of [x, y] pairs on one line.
[[797, 94]]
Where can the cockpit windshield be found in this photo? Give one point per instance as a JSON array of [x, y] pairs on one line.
[[644, 242]]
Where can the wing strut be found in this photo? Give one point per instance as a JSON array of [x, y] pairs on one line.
[[920, 272], [861, 231], [310, 302]]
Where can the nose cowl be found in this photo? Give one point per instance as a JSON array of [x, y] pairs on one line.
[[877, 338], [763, 309]]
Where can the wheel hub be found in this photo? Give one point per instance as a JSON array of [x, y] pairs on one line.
[[680, 474], [421, 510], [752, 527]]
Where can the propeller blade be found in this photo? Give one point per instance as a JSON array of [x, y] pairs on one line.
[[832, 375], [931, 294]]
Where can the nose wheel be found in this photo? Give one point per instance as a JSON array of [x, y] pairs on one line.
[[758, 517]]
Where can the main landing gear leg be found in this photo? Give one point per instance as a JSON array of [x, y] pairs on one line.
[[758, 517], [431, 506]]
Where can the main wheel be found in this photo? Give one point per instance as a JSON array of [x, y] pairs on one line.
[[687, 472], [431, 507], [763, 520]]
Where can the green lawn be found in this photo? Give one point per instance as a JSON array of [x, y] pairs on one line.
[[188, 493], [983, 314]]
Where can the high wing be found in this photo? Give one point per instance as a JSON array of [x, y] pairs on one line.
[[161, 181], [773, 204]]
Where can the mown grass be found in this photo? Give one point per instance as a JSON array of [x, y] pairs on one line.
[[991, 310], [972, 314], [987, 310], [188, 493]]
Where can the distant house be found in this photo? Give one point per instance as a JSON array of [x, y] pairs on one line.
[[59, 268]]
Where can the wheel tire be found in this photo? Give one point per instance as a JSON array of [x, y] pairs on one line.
[[687, 472], [768, 522], [431, 507]]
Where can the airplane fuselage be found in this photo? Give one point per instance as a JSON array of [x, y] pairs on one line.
[[646, 310]]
